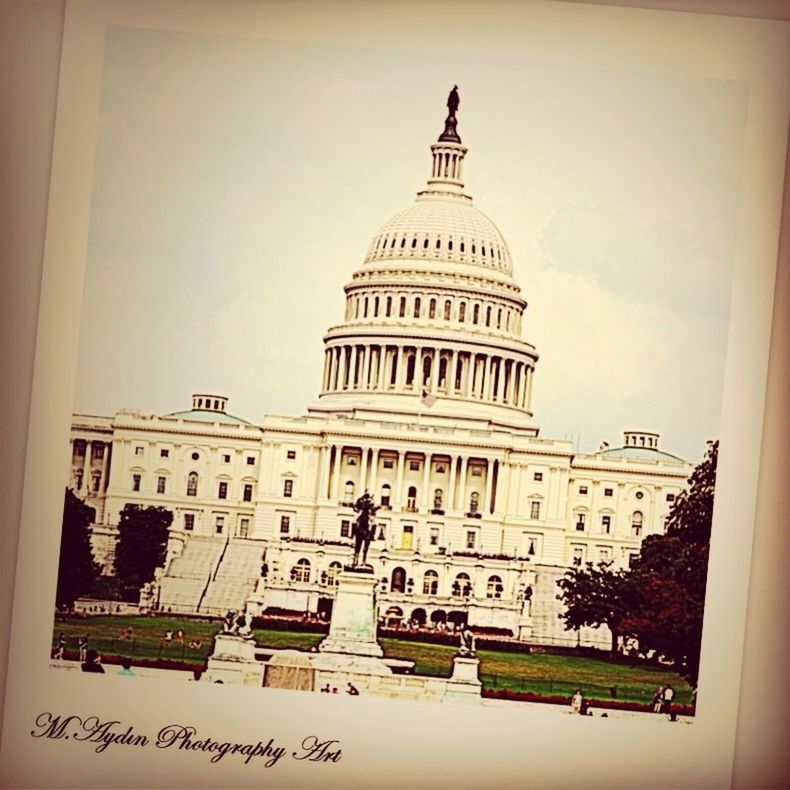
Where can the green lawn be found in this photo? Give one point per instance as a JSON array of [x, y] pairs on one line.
[[538, 673]]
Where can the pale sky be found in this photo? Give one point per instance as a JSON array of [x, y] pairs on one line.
[[238, 183]]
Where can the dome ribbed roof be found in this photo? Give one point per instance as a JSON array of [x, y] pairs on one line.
[[448, 230]]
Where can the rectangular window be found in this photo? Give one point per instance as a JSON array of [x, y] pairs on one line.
[[164, 453], [578, 556], [345, 529], [285, 525], [291, 455], [580, 519], [139, 450], [606, 524], [189, 521], [250, 460], [96, 482], [222, 493], [244, 528], [136, 482], [603, 555], [434, 537], [288, 488], [160, 485], [225, 458], [98, 451], [670, 497], [632, 558], [471, 539], [608, 492], [537, 477], [219, 525], [388, 463], [414, 466], [532, 546], [534, 510], [247, 496], [582, 490]]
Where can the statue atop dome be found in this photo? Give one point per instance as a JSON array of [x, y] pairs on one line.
[[450, 135], [453, 101]]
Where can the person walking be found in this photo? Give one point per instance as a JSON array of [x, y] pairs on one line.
[[576, 701], [669, 696]]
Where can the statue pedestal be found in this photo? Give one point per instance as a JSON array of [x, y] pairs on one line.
[[233, 661], [464, 684], [352, 630]]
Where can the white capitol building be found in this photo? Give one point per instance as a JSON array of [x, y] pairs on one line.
[[425, 402]]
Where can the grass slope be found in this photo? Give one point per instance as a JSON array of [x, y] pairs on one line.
[[537, 673]]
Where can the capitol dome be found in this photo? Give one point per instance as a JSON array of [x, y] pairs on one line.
[[433, 316], [441, 229]]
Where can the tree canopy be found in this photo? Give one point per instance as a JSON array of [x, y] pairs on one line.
[[77, 572], [660, 600], [141, 548]]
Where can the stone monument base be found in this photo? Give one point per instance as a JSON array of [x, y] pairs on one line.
[[352, 631], [233, 661], [464, 684]]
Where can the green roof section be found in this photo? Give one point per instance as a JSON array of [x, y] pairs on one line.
[[204, 415], [642, 454]]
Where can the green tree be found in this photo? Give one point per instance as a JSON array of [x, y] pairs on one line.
[[595, 596], [670, 576], [141, 548], [77, 572]]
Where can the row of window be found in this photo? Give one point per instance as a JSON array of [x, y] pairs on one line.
[[459, 310], [192, 486], [608, 492], [242, 529], [604, 554], [164, 452], [419, 244], [637, 522]]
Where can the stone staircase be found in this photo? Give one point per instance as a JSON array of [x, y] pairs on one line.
[[235, 577], [183, 585]]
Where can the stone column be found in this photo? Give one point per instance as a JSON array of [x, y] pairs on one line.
[[363, 471], [451, 487], [416, 383], [399, 479], [437, 358], [341, 370], [486, 503], [374, 464], [462, 486], [453, 373], [105, 462], [528, 398], [401, 372], [325, 470], [367, 351], [86, 469], [500, 385], [336, 473], [469, 377], [426, 479], [487, 388]]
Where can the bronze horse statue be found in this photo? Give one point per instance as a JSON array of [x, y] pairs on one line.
[[363, 529]]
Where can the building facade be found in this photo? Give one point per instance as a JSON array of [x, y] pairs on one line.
[[425, 401]]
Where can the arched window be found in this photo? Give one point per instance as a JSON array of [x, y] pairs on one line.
[[459, 369], [494, 588], [398, 583], [402, 310], [438, 499], [414, 242], [426, 369], [348, 491], [636, 523], [376, 307], [499, 318], [389, 306], [411, 499], [403, 242], [386, 493], [476, 314], [442, 371], [410, 370], [192, 483], [432, 308], [365, 309], [462, 312], [430, 583], [488, 315], [474, 501], [329, 576], [462, 586], [301, 571], [448, 306], [417, 305]]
